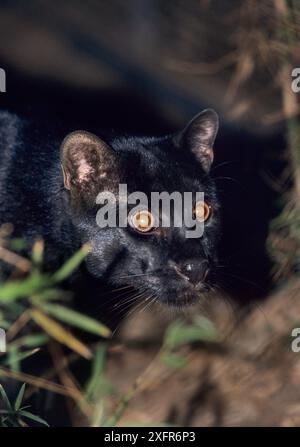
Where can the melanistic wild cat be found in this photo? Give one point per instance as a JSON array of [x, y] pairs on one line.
[[43, 200]]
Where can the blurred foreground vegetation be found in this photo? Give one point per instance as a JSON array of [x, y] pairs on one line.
[[37, 315]]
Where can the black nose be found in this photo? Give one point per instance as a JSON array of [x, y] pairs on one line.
[[194, 271]]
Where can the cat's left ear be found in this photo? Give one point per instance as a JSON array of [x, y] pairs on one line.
[[199, 136]]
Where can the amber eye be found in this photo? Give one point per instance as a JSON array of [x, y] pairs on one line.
[[202, 211], [142, 221]]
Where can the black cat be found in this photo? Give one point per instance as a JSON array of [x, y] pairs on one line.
[[49, 190]]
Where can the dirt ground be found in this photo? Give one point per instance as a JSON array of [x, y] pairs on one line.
[[251, 377]]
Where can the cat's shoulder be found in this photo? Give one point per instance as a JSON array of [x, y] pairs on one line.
[[11, 127]]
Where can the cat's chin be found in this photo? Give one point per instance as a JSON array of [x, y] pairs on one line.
[[180, 303], [177, 296], [183, 298]]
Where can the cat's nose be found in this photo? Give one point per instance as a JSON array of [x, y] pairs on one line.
[[193, 271]]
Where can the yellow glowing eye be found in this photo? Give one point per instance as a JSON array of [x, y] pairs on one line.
[[202, 211], [142, 221]]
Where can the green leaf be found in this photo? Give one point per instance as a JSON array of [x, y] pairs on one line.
[[179, 334], [19, 398], [2, 422], [17, 358], [5, 324], [5, 398], [13, 290], [97, 381], [60, 334], [37, 252], [30, 341], [76, 319], [33, 417], [174, 361], [13, 358], [71, 264], [51, 295]]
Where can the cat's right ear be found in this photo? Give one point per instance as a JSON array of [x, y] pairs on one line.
[[199, 136], [89, 164]]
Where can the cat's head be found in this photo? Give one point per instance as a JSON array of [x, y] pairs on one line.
[[160, 262]]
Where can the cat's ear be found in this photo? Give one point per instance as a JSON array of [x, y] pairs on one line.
[[199, 136], [88, 164]]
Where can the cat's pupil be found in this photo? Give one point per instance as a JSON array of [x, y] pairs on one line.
[[143, 220]]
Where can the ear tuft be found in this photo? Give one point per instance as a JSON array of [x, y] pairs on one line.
[[199, 135]]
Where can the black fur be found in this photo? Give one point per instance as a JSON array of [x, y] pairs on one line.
[[34, 199]]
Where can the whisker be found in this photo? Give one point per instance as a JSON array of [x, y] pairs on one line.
[[228, 178], [135, 308], [224, 163], [122, 310], [128, 286], [129, 300], [245, 280], [146, 302], [122, 295], [218, 166], [133, 276], [153, 300]]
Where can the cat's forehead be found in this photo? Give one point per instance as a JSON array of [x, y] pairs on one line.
[[156, 162]]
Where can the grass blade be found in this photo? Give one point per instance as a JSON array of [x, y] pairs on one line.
[[96, 379], [33, 417], [76, 319], [5, 398], [17, 357], [13, 290], [19, 398], [71, 264], [60, 334], [179, 334]]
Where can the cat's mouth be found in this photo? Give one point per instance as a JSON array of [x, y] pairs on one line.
[[170, 285], [184, 296], [181, 289], [179, 294]]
